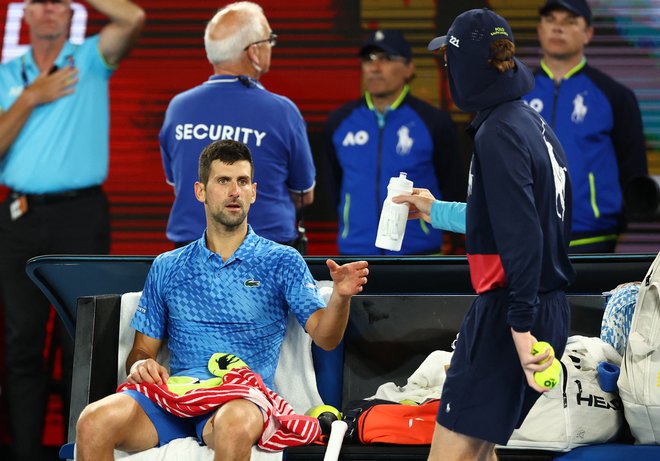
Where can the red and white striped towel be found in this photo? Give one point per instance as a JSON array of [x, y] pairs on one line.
[[282, 427]]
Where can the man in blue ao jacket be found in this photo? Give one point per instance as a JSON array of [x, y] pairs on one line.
[[387, 131], [597, 121]]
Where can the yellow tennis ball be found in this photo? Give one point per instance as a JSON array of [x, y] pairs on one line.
[[540, 347], [220, 363], [315, 412], [549, 377], [326, 414]]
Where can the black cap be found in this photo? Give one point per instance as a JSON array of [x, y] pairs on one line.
[[472, 32], [388, 40], [577, 7]]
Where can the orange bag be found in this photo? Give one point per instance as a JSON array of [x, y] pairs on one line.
[[395, 423]]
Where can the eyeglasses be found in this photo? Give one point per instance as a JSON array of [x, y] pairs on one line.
[[272, 40], [382, 57]]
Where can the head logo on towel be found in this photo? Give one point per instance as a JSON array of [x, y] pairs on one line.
[[252, 283]]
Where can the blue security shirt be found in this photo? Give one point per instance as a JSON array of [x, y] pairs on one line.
[[203, 305], [64, 144], [238, 108]]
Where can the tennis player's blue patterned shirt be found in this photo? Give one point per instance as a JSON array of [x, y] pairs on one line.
[[203, 305]]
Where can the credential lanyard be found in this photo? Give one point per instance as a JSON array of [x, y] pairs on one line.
[[70, 60]]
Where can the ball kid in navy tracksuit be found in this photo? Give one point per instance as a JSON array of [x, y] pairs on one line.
[[518, 220]]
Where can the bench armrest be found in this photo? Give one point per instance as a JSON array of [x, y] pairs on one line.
[[95, 353]]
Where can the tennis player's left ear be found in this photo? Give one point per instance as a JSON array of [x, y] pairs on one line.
[[254, 192]]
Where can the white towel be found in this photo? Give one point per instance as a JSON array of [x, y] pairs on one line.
[[425, 383]]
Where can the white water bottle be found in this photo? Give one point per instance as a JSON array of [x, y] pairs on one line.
[[394, 216]]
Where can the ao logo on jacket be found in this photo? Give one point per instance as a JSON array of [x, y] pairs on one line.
[[536, 104], [359, 138]]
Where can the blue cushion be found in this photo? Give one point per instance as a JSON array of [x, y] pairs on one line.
[[612, 452], [328, 367]]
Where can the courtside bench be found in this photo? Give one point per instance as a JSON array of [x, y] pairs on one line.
[[411, 307]]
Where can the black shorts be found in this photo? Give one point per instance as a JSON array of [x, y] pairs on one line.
[[486, 395]]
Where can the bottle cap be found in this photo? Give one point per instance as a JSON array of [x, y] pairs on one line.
[[401, 183]]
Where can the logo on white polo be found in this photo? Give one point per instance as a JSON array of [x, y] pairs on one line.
[[359, 138]]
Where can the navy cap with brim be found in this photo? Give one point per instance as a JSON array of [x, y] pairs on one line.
[[437, 43], [578, 8], [474, 30], [390, 41], [366, 49]]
